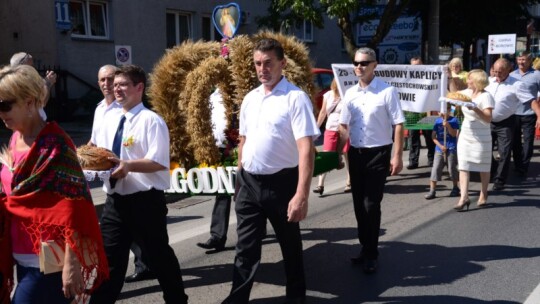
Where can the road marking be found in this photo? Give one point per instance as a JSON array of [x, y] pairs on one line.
[[534, 297]]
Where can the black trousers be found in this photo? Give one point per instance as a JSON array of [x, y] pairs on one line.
[[262, 197], [368, 168], [220, 218], [503, 131], [415, 145], [523, 151], [140, 264], [139, 217]]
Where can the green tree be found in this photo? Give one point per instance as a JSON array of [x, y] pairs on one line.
[[283, 14], [461, 21]]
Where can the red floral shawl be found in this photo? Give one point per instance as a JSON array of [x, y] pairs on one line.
[[51, 195]]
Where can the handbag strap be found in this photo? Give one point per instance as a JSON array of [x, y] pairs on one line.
[[334, 107]]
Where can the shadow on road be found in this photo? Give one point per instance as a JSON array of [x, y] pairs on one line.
[[332, 279]]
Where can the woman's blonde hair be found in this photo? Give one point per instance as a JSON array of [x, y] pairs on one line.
[[334, 87], [20, 83], [479, 79], [456, 61]]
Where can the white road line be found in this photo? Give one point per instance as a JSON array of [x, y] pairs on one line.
[[534, 297]]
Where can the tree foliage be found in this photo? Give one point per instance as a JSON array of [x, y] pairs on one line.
[[461, 21], [283, 14]]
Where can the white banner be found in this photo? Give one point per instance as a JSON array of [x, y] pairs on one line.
[[419, 86]]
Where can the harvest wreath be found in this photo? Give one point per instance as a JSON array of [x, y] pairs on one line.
[[184, 78]]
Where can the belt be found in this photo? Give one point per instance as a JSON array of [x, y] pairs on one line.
[[281, 172], [372, 149]]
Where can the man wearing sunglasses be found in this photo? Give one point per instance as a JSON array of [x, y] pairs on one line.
[[371, 112]]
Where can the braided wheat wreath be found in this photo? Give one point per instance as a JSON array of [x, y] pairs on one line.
[[184, 78]]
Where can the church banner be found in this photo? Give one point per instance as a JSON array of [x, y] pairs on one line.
[[419, 86]]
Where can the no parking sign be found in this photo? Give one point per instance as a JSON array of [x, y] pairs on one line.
[[122, 54]]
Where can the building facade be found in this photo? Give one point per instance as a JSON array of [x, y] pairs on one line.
[[79, 36]]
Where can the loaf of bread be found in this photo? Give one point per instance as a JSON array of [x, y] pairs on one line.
[[95, 158], [458, 96]]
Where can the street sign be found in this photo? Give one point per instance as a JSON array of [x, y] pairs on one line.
[[122, 54], [502, 44]]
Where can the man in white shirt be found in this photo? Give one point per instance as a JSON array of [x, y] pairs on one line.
[[371, 112], [504, 90], [527, 114], [99, 138], [105, 83], [135, 207], [275, 165]]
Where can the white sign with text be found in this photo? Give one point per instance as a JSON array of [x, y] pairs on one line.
[[502, 44], [419, 86], [206, 180]]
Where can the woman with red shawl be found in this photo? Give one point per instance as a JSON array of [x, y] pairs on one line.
[[45, 199]]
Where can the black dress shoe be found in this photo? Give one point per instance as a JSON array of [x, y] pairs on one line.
[[140, 276], [410, 167], [212, 244], [370, 266]]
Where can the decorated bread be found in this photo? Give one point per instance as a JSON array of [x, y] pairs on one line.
[[95, 158], [458, 96]]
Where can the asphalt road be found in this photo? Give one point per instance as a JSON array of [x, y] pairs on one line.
[[429, 253]]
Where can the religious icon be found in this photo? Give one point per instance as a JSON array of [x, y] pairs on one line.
[[226, 19]]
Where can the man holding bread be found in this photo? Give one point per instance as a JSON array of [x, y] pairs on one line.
[[135, 194], [99, 138]]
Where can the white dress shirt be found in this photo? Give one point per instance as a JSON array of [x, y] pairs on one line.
[[531, 81], [145, 136], [271, 124], [370, 113], [98, 138], [506, 97]]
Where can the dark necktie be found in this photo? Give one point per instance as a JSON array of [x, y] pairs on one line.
[[117, 144]]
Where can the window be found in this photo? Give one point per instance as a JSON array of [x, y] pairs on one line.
[[89, 19], [178, 28], [303, 30], [209, 32]]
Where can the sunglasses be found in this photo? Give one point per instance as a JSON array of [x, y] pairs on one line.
[[362, 63], [6, 105]]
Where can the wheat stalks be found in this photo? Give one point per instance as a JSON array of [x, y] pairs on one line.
[[6, 158]]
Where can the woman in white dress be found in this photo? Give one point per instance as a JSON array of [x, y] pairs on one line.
[[474, 142]]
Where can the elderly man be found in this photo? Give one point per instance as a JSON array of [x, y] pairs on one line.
[[371, 111], [504, 90], [527, 113], [275, 165]]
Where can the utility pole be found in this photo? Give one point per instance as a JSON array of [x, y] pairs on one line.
[[433, 32]]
